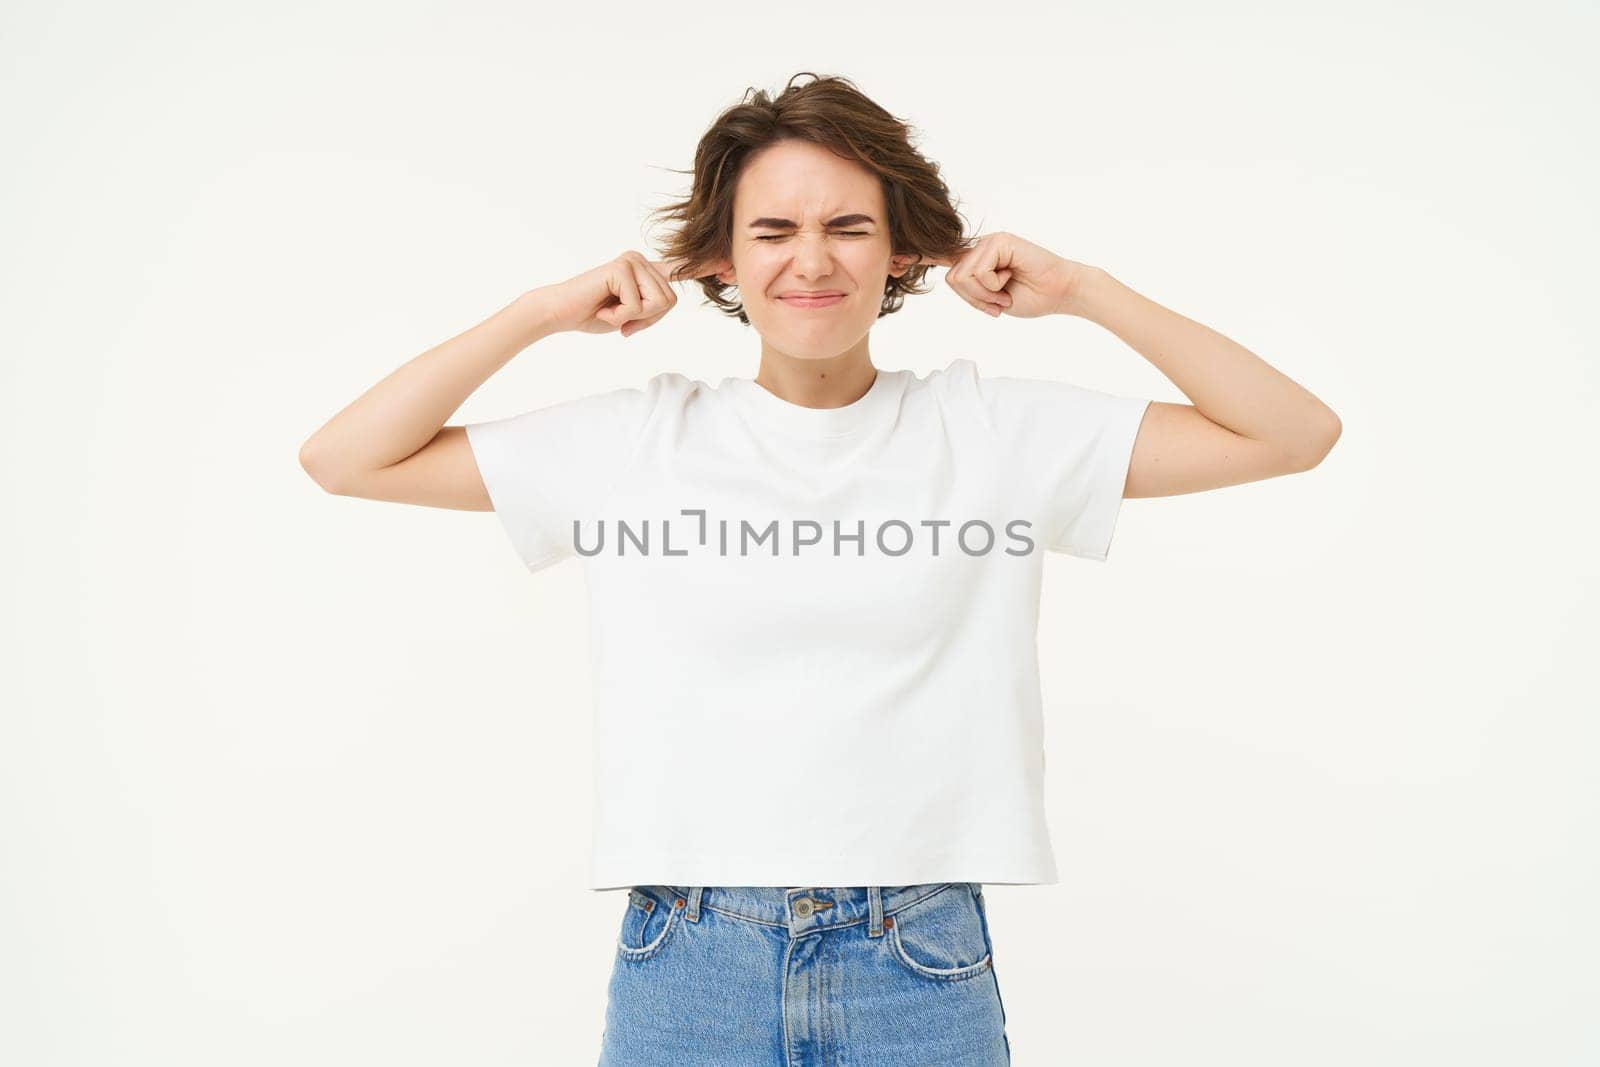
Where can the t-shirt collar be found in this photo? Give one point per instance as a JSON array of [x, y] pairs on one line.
[[803, 421]]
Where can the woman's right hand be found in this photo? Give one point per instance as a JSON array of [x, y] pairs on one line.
[[629, 293]]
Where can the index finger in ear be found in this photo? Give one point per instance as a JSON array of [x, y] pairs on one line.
[[935, 261], [698, 270]]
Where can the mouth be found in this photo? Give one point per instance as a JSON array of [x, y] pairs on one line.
[[821, 301]]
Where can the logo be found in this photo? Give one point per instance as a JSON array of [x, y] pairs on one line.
[[890, 537]]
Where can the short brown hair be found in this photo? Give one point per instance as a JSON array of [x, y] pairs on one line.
[[829, 111]]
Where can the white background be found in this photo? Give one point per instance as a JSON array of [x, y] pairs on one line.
[[296, 778]]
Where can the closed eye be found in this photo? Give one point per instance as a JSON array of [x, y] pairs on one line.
[[842, 233]]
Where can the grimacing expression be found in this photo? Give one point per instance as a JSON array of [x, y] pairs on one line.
[[807, 220]]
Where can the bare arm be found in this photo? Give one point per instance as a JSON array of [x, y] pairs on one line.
[[1249, 421], [361, 450], [391, 442]]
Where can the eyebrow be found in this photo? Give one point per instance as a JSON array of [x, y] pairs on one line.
[[768, 223]]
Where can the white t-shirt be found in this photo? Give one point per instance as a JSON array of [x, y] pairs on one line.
[[814, 629]]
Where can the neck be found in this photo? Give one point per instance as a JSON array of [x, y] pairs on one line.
[[832, 382]]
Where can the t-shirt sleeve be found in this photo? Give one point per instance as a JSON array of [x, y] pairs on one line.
[[548, 467], [1071, 447]]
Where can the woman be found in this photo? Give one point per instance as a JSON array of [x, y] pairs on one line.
[[814, 592]]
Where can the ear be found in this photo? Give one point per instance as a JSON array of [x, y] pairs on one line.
[[899, 264]]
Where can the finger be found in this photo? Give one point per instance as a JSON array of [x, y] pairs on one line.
[[627, 292], [682, 270], [982, 305], [970, 286], [952, 260], [659, 284], [710, 269], [991, 279], [658, 297], [978, 273], [631, 328], [656, 290], [670, 268]]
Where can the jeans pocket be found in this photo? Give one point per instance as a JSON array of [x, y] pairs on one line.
[[941, 936], [648, 923]]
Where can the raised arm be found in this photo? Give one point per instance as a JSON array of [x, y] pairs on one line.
[[1249, 421], [391, 443]]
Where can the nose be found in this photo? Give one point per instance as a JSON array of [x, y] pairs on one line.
[[813, 256]]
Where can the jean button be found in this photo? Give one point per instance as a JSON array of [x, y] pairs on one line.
[[803, 907]]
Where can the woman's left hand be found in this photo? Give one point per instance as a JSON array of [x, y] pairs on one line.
[[1004, 274]]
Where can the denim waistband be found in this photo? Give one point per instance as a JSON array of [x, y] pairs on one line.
[[803, 910]]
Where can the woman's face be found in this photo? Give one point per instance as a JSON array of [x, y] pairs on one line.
[[804, 220]]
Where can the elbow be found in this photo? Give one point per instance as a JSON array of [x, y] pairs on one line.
[[316, 469], [1330, 435], [1317, 447]]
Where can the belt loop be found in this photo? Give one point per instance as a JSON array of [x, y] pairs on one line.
[[875, 911], [693, 914]]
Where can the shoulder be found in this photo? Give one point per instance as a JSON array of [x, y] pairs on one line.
[[961, 386], [956, 387], [664, 387], [963, 380], [673, 383], [671, 389], [1031, 407], [958, 376], [640, 402], [589, 419], [964, 377]]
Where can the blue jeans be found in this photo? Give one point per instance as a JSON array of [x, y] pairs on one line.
[[762, 976]]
